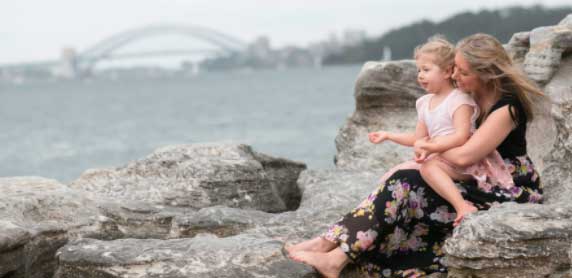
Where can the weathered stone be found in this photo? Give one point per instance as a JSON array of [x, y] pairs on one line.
[[201, 175], [518, 46], [547, 44], [327, 193], [513, 240], [38, 216], [202, 257], [385, 95], [557, 174]]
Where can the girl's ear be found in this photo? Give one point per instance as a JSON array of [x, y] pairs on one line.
[[449, 71]]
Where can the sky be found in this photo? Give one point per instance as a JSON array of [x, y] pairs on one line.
[[32, 30]]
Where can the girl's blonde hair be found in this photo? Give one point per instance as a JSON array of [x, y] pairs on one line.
[[490, 61], [442, 50]]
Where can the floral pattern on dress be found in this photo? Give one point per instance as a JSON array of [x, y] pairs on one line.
[[398, 231]]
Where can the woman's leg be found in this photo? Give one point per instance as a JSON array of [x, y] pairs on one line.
[[440, 177], [317, 244], [329, 264]]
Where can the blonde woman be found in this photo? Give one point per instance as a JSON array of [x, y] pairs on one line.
[[399, 229]]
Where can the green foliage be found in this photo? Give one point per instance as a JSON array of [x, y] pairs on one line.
[[499, 23]]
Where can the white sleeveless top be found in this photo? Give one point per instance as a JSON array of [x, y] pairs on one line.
[[439, 121]]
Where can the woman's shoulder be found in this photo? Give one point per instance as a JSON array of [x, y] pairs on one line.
[[515, 107]]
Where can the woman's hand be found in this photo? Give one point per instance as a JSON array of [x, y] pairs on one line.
[[378, 136]]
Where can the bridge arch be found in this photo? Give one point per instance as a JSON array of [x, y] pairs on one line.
[[104, 49]]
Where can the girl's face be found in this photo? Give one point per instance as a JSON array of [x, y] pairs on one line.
[[430, 76], [467, 80]]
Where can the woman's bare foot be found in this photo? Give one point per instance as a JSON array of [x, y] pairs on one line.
[[467, 208], [328, 264], [318, 244]]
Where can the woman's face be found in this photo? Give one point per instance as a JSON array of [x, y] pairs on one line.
[[466, 79]]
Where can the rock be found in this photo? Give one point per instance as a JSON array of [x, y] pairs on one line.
[[245, 243], [201, 175], [513, 240], [38, 216], [202, 257], [557, 174], [518, 46], [385, 94], [547, 44]]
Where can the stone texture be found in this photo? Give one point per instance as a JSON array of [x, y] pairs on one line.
[[547, 44], [203, 256], [513, 240], [385, 94], [38, 216], [216, 241], [201, 175], [557, 174]]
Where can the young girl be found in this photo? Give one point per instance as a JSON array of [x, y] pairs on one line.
[[447, 116]]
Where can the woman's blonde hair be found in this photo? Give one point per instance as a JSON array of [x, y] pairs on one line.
[[442, 50], [490, 61]]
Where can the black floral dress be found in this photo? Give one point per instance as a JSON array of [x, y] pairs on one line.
[[399, 229]]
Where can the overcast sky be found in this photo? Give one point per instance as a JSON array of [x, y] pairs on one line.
[[38, 30]]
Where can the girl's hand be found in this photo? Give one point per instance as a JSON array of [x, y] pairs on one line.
[[378, 137], [421, 149], [420, 156]]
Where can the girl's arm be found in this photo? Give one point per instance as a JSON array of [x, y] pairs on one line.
[[462, 124], [486, 139], [404, 139]]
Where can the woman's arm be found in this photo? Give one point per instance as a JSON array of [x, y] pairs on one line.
[[486, 139], [462, 124]]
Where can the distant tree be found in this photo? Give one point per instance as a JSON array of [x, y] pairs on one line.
[[501, 23]]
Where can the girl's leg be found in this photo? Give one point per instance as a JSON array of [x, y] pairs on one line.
[[440, 177], [329, 264]]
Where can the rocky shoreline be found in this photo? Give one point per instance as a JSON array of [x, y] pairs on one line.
[[223, 210]]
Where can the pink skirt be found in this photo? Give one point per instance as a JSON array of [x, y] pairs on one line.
[[491, 171]]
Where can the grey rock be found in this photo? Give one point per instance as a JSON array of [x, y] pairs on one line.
[[385, 95], [513, 240], [518, 46], [203, 256], [547, 44], [38, 216], [245, 243], [201, 175], [557, 174]]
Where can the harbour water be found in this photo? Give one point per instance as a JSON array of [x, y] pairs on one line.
[[59, 129]]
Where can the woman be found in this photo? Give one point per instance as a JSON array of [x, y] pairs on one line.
[[398, 231]]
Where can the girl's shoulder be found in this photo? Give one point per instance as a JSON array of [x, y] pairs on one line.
[[423, 101], [459, 98]]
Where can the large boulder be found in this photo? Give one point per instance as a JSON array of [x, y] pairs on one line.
[[512, 240], [385, 94], [201, 175], [38, 216], [215, 241]]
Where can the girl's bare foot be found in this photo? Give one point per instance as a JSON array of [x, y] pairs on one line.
[[318, 244], [328, 264], [467, 208]]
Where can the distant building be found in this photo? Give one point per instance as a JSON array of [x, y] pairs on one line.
[[353, 37], [68, 64]]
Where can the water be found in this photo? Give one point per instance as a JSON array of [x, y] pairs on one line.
[[60, 129]]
